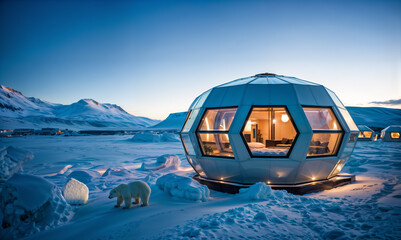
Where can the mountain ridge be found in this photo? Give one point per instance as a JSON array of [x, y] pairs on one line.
[[18, 111]]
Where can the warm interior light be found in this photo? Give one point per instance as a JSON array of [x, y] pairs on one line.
[[221, 178], [248, 126], [313, 178], [207, 124], [338, 168], [268, 182], [395, 135], [285, 118], [274, 121]]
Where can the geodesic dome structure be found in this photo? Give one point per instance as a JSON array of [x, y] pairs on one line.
[[268, 128], [391, 134], [366, 134]]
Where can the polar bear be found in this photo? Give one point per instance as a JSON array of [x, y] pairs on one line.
[[125, 192]]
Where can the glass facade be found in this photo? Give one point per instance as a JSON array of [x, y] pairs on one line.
[[327, 131], [213, 130], [269, 132], [190, 120]]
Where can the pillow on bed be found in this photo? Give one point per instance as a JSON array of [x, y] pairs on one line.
[[256, 145]]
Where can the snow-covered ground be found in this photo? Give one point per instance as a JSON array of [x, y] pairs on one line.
[[370, 208]]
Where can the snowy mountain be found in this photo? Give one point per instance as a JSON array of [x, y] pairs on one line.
[[375, 117], [18, 111], [173, 121]]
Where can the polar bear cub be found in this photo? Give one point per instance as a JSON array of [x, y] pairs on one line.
[[125, 192]]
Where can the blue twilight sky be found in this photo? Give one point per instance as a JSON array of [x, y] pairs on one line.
[[155, 57]]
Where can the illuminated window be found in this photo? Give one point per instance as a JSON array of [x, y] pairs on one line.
[[365, 134], [327, 131], [269, 132], [395, 135], [213, 132]]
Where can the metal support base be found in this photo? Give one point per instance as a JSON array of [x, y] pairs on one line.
[[298, 189]]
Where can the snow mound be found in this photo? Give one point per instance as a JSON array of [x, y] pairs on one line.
[[85, 177], [145, 137], [165, 161], [121, 172], [183, 187], [169, 137], [30, 204], [11, 159], [258, 191], [75, 192]]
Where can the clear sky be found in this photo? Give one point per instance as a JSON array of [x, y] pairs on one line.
[[154, 57]]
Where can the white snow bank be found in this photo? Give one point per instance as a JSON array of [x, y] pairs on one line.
[[75, 192], [145, 137], [11, 159], [30, 204], [183, 187], [258, 191], [84, 176], [169, 137], [165, 161]]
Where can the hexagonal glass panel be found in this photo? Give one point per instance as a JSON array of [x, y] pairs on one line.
[[269, 132], [217, 119], [186, 141], [324, 144], [322, 118], [215, 144], [327, 131], [212, 132], [190, 120]]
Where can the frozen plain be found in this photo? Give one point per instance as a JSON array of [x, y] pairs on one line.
[[370, 208]]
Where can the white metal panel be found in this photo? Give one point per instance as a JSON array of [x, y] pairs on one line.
[[282, 95], [321, 95]]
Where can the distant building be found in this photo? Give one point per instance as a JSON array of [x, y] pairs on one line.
[[391, 134], [50, 131], [23, 132], [366, 134]]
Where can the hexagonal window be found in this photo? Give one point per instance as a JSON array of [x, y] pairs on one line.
[[212, 132], [269, 132], [327, 132]]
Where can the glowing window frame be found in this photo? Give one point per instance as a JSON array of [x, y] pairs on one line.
[[342, 132], [289, 116], [198, 138]]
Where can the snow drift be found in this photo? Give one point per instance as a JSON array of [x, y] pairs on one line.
[[84, 176], [258, 191], [75, 192], [11, 159], [183, 187], [30, 204], [166, 161]]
